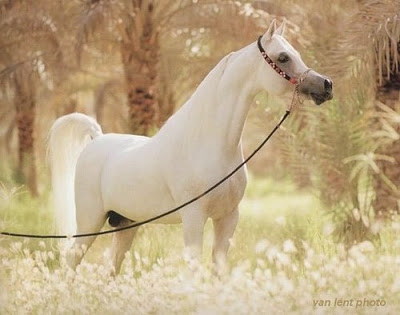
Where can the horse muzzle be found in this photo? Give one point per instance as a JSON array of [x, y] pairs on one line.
[[317, 87], [319, 99]]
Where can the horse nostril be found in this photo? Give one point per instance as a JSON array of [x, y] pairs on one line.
[[328, 84]]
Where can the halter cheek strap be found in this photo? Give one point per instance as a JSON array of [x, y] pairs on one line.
[[282, 73]]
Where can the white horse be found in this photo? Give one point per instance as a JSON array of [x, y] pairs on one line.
[[129, 178]]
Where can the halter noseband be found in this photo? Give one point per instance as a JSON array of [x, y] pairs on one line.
[[274, 66]]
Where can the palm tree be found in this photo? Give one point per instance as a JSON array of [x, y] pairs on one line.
[[350, 150], [388, 92], [140, 28], [134, 27], [29, 47], [377, 27]]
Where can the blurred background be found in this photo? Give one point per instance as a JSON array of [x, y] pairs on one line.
[[132, 64]]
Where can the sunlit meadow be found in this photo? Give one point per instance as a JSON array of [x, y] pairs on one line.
[[283, 260]]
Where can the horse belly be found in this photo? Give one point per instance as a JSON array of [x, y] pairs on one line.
[[138, 201], [132, 187]]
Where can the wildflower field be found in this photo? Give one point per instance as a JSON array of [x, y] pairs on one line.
[[284, 260]]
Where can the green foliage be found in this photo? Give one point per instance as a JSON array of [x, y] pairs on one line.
[[21, 213], [317, 148], [337, 148]]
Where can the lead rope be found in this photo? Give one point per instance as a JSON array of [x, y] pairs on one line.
[[296, 100]]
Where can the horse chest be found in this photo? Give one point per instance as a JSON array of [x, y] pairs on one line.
[[227, 197], [196, 179]]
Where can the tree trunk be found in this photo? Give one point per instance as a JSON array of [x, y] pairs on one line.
[[166, 101], [25, 118], [387, 201], [141, 76]]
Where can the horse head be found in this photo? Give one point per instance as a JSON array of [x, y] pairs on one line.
[[287, 64]]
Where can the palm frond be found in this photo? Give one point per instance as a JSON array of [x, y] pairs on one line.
[[370, 37], [95, 17]]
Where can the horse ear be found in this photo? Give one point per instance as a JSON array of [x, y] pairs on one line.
[[271, 30], [281, 29]]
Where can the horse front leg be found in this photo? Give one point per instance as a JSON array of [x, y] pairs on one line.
[[223, 231], [193, 220]]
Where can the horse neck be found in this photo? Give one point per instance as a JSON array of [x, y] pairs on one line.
[[215, 114]]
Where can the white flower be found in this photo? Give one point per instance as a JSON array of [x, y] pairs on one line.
[[328, 229], [356, 214], [261, 246], [281, 220], [289, 247]]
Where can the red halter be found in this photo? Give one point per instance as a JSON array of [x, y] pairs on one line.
[[273, 64]]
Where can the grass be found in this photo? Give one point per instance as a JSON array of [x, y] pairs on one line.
[[283, 260]]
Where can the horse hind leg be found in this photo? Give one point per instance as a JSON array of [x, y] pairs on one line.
[[80, 245], [121, 241], [90, 218]]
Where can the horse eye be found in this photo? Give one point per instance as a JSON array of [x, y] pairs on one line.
[[283, 57]]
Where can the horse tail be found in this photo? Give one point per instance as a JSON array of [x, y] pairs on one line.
[[68, 136]]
